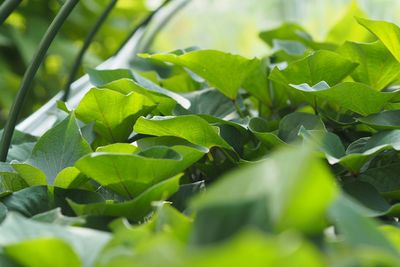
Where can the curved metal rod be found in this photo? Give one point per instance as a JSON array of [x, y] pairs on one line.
[[86, 44], [151, 34], [7, 8], [30, 75], [142, 24]]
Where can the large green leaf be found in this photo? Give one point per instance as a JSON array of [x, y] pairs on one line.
[[357, 97], [358, 153], [57, 149], [249, 246], [131, 174], [388, 119], [85, 242], [113, 113], [207, 101], [288, 196], [292, 32], [347, 28], [320, 66], [135, 209], [384, 178], [34, 253], [377, 67], [387, 32], [165, 99], [103, 77], [225, 71], [358, 231], [36, 200], [191, 128], [289, 128]]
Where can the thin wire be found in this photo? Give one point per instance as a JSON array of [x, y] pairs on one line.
[[30, 75]]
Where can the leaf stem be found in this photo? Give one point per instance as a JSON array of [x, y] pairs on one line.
[[7, 8], [238, 110], [315, 105], [88, 40], [30, 75]]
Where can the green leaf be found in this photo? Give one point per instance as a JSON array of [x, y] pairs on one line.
[[357, 230], [293, 32], [224, 71], [384, 178], [359, 152], [30, 174], [20, 152], [387, 32], [113, 113], [70, 177], [357, 97], [57, 149], [56, 217], [103, 77], [85, 242], [377, 67], [33, 253], [3, 212], [289, 128], [347, 29], [165, 99], [289, 197], [207, 101], [135, 209], [118, 148], [320, 66], [155, 88], [290, 125], [200, 131], [29, 201], [385, 120], [131, 174]]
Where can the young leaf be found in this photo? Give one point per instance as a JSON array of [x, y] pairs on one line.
[[282, 190], [357, 97], [321, 66], [135, 209], [385, 120], [131, 174], [387, 32], [377, 67], [191, 128], [293, 32], [32, 253], [347, 29], [85, 242], [225, 71], [57, 149], [113, 113]]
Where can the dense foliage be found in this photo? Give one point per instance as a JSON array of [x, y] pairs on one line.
[[213, 159]]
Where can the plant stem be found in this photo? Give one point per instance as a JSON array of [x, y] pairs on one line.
[[7, 8], [30, 74], [238, 110], [85, 47]]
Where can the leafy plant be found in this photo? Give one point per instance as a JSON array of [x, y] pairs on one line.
[[287, 160]]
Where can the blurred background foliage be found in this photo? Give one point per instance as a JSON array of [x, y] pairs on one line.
[[23, 30], [230, 25]]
